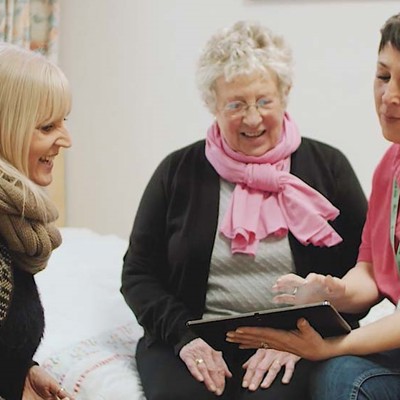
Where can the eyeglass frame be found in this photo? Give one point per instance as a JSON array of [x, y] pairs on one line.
[[261, 108]]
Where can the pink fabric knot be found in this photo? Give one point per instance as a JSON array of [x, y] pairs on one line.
[[264, 177]]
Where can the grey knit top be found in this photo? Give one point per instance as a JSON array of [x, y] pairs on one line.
[[239, 282]]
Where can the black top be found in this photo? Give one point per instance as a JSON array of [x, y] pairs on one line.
[[20, 335], [166, 266]]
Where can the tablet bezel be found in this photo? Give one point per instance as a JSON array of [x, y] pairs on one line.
[[322, 316]]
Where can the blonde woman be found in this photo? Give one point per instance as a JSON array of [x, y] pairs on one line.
[[34, 103]]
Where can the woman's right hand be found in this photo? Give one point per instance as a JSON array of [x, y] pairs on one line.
[[39, 385], [294, 289], [206, 365]]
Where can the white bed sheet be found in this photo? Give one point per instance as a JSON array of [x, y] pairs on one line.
[[91, 334]]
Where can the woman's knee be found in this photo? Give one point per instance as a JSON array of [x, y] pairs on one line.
[[334, 379], [354, 378], [377, 384]]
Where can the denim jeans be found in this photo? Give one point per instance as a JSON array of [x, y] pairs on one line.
[[374, 377]]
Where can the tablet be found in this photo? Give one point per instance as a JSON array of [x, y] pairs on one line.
[[323, 317]]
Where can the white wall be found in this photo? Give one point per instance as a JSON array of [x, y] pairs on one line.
[[131, 64]]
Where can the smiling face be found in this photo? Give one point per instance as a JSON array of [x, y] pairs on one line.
[[257, 128], [47, 139], [387, 92]]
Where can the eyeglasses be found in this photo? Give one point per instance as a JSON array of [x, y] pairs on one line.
[[239, 108]]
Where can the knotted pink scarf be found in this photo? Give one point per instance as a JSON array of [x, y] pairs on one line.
[[268, 199]]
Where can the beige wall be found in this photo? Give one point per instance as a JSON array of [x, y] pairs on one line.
[[131, 64]]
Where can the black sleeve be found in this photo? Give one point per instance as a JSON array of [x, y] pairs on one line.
[[146, 270], [328, 171], [353, 206], [352, 203]]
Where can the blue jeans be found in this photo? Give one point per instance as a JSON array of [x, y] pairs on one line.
[[374, 377]]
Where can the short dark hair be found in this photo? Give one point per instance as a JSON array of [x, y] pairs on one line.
[[390, 32]]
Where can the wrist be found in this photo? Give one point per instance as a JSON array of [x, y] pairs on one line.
[[335, 347]]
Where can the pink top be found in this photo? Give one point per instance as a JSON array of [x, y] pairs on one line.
[[375, 246]]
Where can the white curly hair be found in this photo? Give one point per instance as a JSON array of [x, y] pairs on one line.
[[243, 49]]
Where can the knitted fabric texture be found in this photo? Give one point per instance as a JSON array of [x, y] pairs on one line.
[[6, 283], [30, 235]]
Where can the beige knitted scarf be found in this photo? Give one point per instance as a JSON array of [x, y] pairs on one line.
[[29, 235]]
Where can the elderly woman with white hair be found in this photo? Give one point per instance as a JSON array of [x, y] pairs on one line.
[[223, 218]]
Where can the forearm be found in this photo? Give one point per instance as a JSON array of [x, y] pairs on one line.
[[378, 336], [361, 291]]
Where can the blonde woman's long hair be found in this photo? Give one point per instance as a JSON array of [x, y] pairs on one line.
[[33, 92]]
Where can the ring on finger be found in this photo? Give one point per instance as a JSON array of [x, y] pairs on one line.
[[198, 361], [294, 291], [264, 345]]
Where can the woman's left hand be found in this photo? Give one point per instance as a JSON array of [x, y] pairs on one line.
[[305, 341], [39, 385], [264, 365], [314, 288]]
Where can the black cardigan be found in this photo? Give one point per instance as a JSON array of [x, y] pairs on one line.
[[166, 266]]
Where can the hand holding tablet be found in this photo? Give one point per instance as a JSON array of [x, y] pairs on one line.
[[322, 316]]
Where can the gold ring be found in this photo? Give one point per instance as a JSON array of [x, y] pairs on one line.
[[198, 361], [264, 345]]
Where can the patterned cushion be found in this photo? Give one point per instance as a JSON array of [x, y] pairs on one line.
[[102, 367]]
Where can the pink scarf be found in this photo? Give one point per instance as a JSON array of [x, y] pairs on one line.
[[268, 199]]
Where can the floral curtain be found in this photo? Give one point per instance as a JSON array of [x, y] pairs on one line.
[[32, 24]]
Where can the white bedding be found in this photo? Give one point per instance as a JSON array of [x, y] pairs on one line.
[[91, 334]]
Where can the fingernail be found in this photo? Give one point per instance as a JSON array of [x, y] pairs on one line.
[[230, 334], [252, 387], [213, 388], [238, 331], [245, 384]]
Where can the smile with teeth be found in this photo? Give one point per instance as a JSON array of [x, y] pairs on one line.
[[252, 134], [47, 159]]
